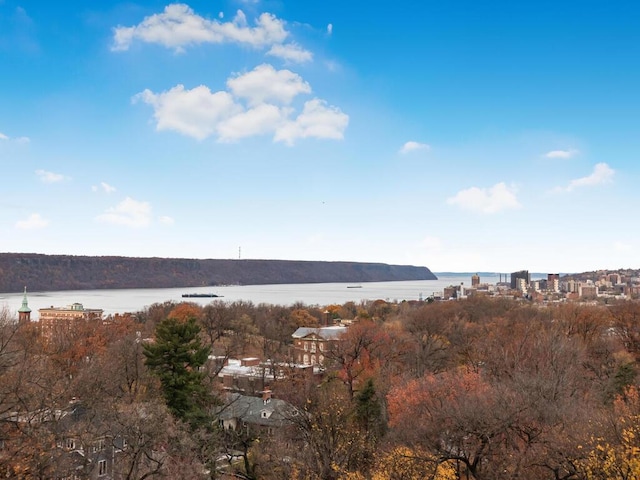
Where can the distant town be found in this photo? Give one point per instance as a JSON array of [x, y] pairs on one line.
[[598, 286]]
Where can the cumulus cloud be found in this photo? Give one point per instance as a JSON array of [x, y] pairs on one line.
[[257, 103], [178, 26], [3, 136], [317, 120], [34, 221], [104, 186], [195, 113], [255, 121], [602, 173], [291, 52], [266, 84], [129, 212], [486, 200], [562, 153], [330, 29], [50, 177], [412, 146]]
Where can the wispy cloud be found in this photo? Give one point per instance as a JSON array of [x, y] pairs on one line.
[[602, 174], [165, 220], [21, 140], [129, 212], [486, 200], [330, 29], [563, 154], [256, 103], [33, 222], [412, 146], [291, 52], [105, 187], [50, 177]]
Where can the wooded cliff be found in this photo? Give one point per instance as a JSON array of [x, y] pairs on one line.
[[67, 272]]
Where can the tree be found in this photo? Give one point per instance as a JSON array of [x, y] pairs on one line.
[[176, 357]]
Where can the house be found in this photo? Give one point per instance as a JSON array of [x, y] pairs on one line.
[[310, 345], [69, 445], [256, 415]]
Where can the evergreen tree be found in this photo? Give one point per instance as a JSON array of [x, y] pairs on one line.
[[175, 358], [368, 411]]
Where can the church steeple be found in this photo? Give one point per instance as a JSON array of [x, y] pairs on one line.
[[24, 313]]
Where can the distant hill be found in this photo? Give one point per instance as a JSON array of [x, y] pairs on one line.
[[68, 272]]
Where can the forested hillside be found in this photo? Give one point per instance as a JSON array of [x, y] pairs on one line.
[[68, 272]]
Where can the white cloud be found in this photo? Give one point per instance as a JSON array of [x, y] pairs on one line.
[[562, 153], [266, 84], [256, 104], [105, 187], [602, 173], [50, 177], [291, 52], [166, 220], [21, 140], [129, 212], [178, 26], [412, 146], [256, 121], [316, 120], [34, 221], [486, 200], [330, 29], [193, 112]]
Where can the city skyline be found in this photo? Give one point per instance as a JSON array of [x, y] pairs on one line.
[[463, 137]]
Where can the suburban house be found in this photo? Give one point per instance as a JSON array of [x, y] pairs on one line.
[[311, 345], [73, 449], [256, 415]]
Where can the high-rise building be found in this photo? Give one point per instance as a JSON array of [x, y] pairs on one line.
[[475, 280], [520, 279]]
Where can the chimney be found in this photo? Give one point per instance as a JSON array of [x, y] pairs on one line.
[[266, 395]]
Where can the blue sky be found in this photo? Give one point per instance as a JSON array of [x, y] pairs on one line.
[[461, 135]]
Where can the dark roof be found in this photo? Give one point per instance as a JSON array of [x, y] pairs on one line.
[[256, 411]]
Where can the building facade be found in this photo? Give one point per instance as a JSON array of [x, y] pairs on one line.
[[311, 345]]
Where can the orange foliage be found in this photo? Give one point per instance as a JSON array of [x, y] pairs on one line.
[[186, 310]]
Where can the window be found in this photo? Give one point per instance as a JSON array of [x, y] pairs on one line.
[[321, 347], [71, 443], [305, 360], [102, 467], [306, 346], [313, 347], [99, 446]]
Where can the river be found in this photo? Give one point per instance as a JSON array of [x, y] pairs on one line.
[[133, 300]]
